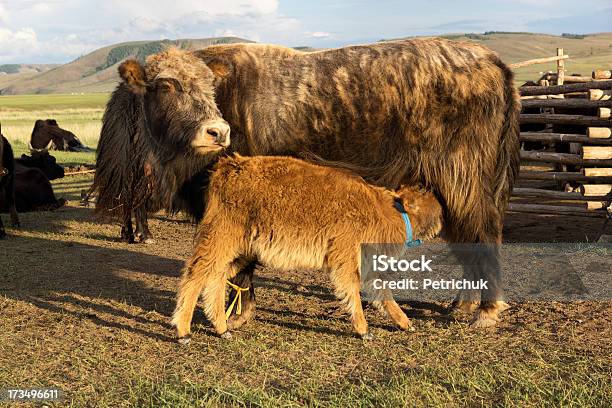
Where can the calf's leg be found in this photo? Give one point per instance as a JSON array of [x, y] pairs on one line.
[[243, 279], [341, 262]]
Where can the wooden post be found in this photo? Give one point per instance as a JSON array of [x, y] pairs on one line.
[[560, 67], [603, 113]]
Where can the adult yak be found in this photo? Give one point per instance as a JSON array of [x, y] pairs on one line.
[[427, 111]]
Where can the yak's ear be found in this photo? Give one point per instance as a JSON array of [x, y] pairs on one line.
[[219, 67], [133, 73]]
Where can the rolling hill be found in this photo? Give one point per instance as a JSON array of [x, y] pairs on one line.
[[96, 72]]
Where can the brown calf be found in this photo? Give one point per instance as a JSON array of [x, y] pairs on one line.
[[289, 214]]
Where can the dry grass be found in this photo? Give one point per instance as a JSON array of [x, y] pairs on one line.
[[89, 314]]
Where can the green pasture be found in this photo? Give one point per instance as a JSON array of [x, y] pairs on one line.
[[81, 114]]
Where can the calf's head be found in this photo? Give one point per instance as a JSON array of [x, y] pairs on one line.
[[424, 210], [178, 101]]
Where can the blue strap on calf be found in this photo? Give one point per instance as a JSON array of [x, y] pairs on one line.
[[409, 241]]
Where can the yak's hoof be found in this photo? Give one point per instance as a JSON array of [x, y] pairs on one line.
[[227, 335], [185, 340], [483, 322], [2, 234], [462, 307], [367, 336]]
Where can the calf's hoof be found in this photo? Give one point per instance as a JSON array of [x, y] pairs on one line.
[[227, 335], [367, 336], [248, 312], [184, 340]]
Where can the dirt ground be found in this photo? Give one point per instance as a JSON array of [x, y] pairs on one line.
[[89, 314]]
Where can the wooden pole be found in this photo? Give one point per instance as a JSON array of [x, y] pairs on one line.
[[555, 210], [604, 113], [560, 67], [74, 173], [564, 89], [564, 103], [563, 158], [602, 74], [596, 189], [562, 176], [596, 152], [561, 195], [562, 137], [552, 118], [597, 172], [599, 133], [537, 61]]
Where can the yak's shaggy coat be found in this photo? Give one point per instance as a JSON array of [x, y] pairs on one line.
[[7, 182], [289, 214]]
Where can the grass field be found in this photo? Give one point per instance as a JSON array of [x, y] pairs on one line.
[[80, 114], [89, 314]]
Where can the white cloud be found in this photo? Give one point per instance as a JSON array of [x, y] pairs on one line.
[[320, 34], [65, 29]]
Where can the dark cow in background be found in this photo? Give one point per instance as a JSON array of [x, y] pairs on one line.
[[43, 161], [424, 111], [7, 183], [33, 191], [47, 135]]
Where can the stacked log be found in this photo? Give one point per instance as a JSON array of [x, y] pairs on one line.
[[584, 166]]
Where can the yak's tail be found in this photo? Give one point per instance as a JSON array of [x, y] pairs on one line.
[[508, 156], [120, 182]]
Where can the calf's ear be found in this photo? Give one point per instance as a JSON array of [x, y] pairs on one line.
[[133, 74]]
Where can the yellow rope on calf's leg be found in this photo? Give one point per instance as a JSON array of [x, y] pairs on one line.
[[237, 298]]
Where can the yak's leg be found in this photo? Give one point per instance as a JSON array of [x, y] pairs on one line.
[[476, 228], [142, 226], [127, 231], [341, 262], [243, 279], [2, 231], [11, 201]]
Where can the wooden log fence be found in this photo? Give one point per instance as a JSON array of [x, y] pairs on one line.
[[564, 89], [548, 138]]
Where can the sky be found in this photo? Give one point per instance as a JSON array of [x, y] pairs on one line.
[[58, 31]]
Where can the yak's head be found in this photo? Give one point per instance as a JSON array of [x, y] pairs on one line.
[[179, 102]]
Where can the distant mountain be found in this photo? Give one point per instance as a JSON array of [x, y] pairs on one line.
[[96, 71]]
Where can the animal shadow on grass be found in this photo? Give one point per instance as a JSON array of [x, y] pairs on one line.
[[330, 308], [89, 282]]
